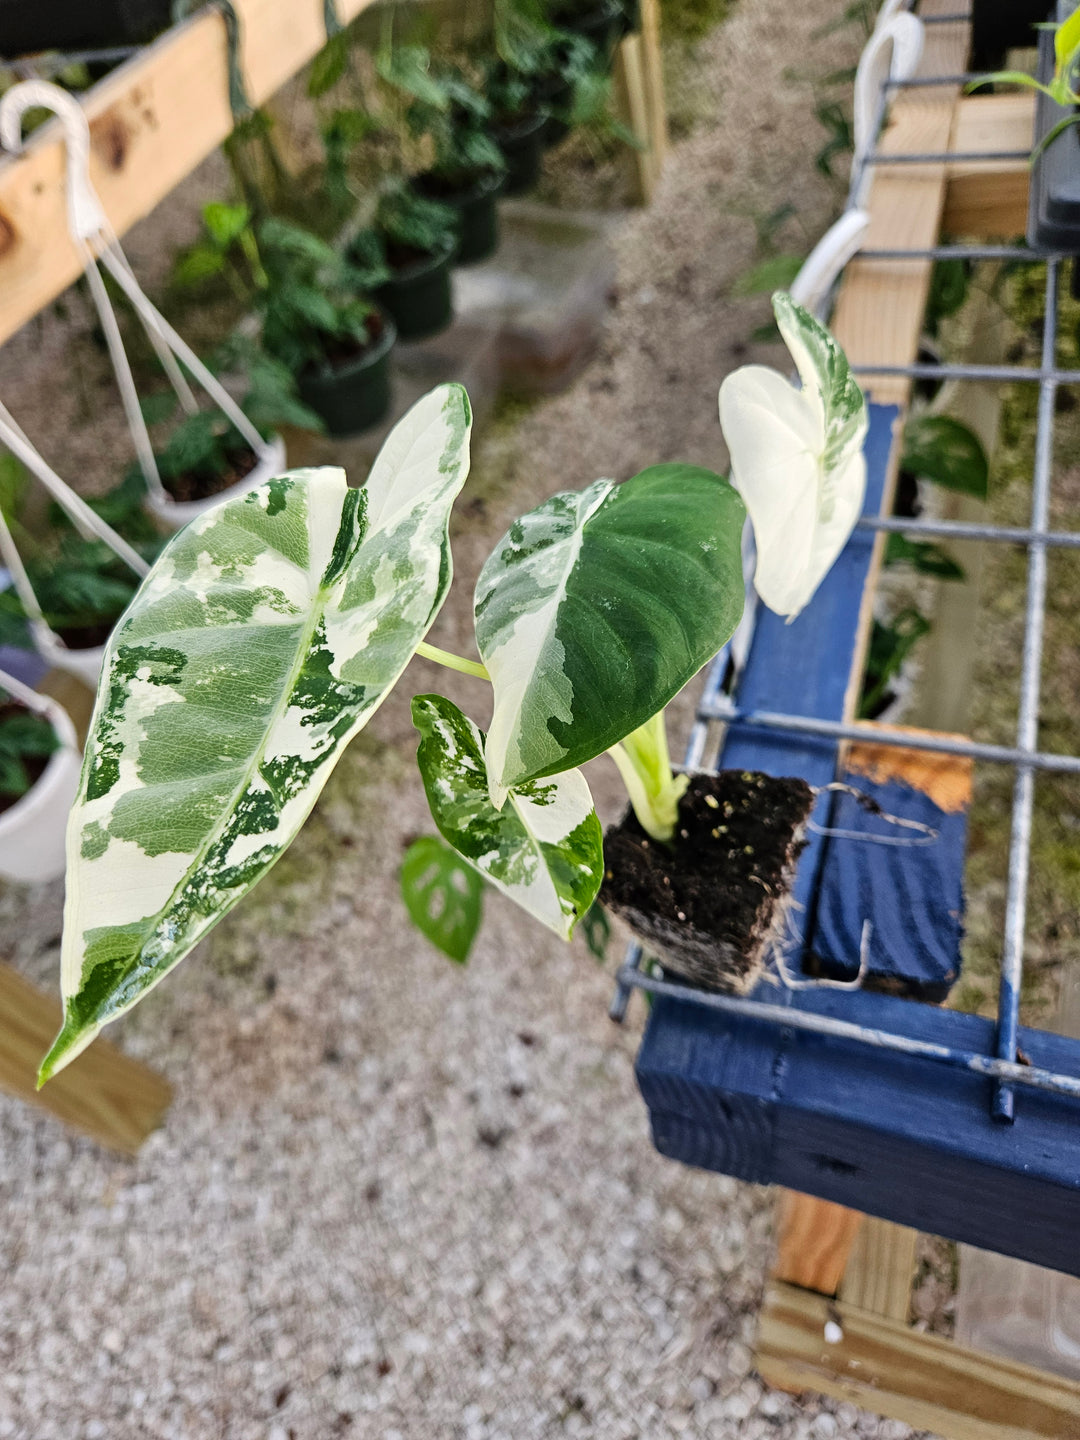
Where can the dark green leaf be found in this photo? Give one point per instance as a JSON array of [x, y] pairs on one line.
[[775, 273], [941, 449], [444, 896], [329, 65], [596, 927], [923, 556]]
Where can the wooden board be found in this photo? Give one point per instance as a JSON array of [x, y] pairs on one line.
[[813, 1240], [988, 200], [116, 1101], [880, 1269], [151, 122], [894, 1135], [925, 1380]]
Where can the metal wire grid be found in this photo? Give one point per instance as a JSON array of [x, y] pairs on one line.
[[717, 708]]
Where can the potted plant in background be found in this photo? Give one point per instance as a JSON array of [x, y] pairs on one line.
[[39, 775], [591, 614], [314, 314], [81, 587], [449, 117], [414, 240]]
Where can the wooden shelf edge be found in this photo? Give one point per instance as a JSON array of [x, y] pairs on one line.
[[924, 1380]]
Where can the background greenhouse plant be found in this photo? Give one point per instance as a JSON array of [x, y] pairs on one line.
[[271, 629]]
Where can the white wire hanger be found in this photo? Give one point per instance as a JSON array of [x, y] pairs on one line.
[[97, 244]]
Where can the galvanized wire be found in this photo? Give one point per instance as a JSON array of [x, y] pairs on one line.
[[716, 706]]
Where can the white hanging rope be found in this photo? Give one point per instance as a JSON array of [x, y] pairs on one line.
[[42, 705], [89, 524], [98, 243], [893, 52]]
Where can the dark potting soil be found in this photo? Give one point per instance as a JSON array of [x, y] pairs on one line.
[[86, 637], [201, 484], [33, 764], [341, 351], [711, 900]]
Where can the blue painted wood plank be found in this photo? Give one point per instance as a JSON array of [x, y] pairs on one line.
[[803, 668], [891, 1135], [912, 896]]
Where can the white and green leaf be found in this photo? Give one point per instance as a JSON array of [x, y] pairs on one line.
[[263, 639], [544, 848], [597, 607], [797, 458]]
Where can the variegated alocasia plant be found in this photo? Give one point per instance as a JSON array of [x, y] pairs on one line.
[[270, 630], [797, 458]]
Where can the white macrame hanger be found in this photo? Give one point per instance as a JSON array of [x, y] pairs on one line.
[[893, 52], [97, 243]]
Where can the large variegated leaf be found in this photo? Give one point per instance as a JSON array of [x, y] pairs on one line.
[[597, 607], [796, 458], [544, 848], [259, 644]]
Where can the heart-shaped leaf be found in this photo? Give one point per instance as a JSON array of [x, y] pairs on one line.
[[444, 896], [597, 607], [544, 848], [944, 450], [796, 458], [263, 639]]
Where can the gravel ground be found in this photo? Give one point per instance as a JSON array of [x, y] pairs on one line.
[[395, 1199]]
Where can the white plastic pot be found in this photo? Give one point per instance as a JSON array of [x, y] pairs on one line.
[[85, 665], [32, 831], [177, 513]]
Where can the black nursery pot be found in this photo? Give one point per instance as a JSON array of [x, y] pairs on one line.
[[418, 297], [478, 216], [710, 903], [27, 26], [602, 23], [1001, 25], [522, 145], [355, 395], [553, 95]]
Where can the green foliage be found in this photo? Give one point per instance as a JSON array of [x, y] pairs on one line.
[[1062, 88], [841, 139], [402, 217], [329, 65], [24, 736], [949, 284], [309, 297], [774, 273], [890, 646], [445, 106], [78, 583], [596, 927], [443, 895], [941, 449], [923, 556]]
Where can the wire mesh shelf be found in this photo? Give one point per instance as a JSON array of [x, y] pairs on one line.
[[718, 709]]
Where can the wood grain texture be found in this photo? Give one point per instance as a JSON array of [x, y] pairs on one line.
[[944, 779], [988, 200], [151, 122], [116, 1101], [652, 58], [632, 100], [892, 1135], [880, 1270], [879, 309], [924, 1380], [813, 1240]]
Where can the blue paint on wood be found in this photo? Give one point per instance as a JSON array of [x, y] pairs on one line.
[[912, 895], [803, 668], [888, 1134]]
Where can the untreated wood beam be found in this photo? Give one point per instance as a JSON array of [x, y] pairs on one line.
[[151, 122]]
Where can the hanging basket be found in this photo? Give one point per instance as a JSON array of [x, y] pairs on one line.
[[32, 831], [177, 513]]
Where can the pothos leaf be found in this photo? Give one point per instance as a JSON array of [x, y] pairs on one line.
[[263, 639], [444, 896], [544, 848], [941, 449], [796, 458], [597, 607]]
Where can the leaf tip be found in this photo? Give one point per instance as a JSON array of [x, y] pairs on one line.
[[69, 1043]]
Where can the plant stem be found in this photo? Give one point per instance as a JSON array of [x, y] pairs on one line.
[[645, 766], [452, 661]]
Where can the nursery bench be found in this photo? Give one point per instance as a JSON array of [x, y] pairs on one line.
[[858, 1100]]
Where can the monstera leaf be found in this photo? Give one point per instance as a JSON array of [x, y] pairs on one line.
[[262, 640], [796, 458], [544, 848], [595, 610]]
